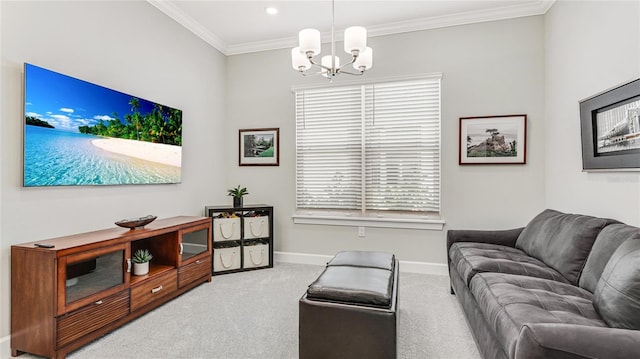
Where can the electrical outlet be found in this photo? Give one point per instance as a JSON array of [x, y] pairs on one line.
[[360, 231]]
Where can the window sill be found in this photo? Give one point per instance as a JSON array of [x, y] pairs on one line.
[[404, 223]]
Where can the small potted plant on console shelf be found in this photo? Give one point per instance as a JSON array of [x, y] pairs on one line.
[[141, 260], [237, 194]]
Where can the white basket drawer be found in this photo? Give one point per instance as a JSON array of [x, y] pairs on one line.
[[256, 227], [226, 259], [226, 229], [256, 256]]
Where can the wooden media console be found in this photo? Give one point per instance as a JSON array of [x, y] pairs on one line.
[[82, 287]]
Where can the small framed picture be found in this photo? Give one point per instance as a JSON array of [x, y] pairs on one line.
[[610, 126], [493, 140], [259, 147]]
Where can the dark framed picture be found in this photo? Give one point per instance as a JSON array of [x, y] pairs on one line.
[[493, 140], [610, 127], [259, 147]]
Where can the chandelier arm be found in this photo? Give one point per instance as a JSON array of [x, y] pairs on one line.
[[353, 59], [305, 74], [351, 73], [317, 64]]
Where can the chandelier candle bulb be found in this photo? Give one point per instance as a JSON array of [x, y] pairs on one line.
[[326, 62], [355, 39], [310, 41], [299, 60], [365, 60]]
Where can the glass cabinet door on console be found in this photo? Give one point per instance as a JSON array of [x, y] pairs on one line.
[[194, 242], [194, 254], [89, 276]]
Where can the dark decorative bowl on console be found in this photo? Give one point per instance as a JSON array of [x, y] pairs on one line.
[[134, 223]]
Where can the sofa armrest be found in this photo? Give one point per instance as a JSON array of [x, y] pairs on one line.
[[506, 237], [550, 341]]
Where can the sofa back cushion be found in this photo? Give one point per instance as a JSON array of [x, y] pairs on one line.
[[617, 295], [562, 241], [606, 243]]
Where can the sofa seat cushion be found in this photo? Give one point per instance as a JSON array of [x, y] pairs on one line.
[[470, 258], [508, 302]]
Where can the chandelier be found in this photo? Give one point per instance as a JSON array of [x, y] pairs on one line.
[[355, 44]]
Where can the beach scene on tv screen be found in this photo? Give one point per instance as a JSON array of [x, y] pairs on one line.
[[79, 133]]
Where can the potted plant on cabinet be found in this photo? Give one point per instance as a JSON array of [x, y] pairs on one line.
[[237, 194], [141, 260]]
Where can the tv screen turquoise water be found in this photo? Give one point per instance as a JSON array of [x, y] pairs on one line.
[[77, 133]]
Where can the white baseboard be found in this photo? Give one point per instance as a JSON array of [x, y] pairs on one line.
[[301, 258], [319, 259], [5, 347]]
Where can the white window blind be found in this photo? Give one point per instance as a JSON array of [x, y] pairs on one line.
[[370, 148]]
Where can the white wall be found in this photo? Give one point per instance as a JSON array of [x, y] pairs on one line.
[[128, 46], [493, 68], [591, 47]]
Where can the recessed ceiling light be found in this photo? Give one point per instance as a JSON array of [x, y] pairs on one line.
[[271, 10]]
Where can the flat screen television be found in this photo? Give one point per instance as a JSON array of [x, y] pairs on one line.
[[77, 133]]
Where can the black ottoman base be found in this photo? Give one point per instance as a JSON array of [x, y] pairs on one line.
[[338, 329]]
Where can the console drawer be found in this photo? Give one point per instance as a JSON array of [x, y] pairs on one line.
[[194, 271], [78, 323], [153, 289]]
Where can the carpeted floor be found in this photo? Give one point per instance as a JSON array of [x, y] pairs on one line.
[[255, 315]]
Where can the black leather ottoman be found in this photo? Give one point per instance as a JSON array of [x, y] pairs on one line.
[[350, 310]]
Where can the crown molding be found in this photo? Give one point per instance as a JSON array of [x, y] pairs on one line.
[[519, 10], [463, 18], [257, 46], [190, 24], [546, 5]]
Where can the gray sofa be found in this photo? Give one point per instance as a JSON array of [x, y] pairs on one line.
[[564, 286]]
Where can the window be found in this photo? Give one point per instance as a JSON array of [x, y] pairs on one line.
[[369, 150]]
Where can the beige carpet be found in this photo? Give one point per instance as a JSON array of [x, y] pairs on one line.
[[255, 315]]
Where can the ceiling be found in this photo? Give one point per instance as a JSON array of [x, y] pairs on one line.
[[237, 27]]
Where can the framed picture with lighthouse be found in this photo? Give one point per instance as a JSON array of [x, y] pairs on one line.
[[492, 140]]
